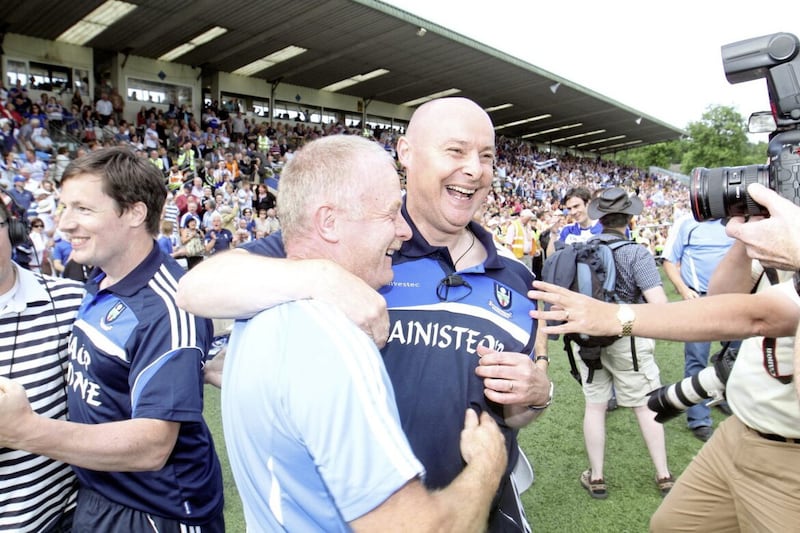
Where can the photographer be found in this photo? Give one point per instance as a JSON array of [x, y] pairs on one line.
[[754, 447], [747, 475]]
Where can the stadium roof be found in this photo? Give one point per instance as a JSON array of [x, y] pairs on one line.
[[347, 38]]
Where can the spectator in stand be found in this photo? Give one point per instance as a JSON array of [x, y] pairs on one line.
[[244, 195], [37, 113], [150, 138], [264, 198], [242, 235], [42, 142], [110, 133], [193, 243], [192, 212], [218, 239], [34, 168], [61, 252], [45, 206], [22, 198], [521, 238], [183, 196], [272, 221], [198, 187], [117, 104], [247, 216], [187, 157], [104, 109], [171, 211], [40, 242], [165, 238], [221, 174], [61, 161], [55, 113], [261, 224], [25, 133]]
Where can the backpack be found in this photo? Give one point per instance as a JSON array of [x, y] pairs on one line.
[[589, 268]]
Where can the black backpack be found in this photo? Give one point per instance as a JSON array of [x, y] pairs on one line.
[[589, 268]]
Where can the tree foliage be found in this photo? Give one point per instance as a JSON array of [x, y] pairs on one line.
[[718, 139]]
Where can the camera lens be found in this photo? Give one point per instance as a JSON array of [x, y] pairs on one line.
[[722, 192]]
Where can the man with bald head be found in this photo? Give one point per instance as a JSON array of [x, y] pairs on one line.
[[459, 333]]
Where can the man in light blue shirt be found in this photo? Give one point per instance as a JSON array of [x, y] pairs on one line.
[[691, 254]]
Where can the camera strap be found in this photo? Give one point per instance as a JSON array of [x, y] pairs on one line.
[[769, 344]]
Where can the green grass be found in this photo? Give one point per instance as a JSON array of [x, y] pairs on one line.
[[554, 444]]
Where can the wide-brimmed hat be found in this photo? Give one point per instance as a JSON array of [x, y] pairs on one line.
[[614, 200]]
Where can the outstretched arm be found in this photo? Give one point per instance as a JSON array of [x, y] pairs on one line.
[[726, 316], [254, 282]]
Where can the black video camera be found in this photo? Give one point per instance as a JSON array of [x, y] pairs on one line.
[[722, 192]]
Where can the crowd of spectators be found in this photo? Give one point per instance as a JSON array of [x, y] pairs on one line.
[[217, 167], [527, 179]]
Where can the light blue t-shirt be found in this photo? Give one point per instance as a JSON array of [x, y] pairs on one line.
[[310, 420], [698, 247]]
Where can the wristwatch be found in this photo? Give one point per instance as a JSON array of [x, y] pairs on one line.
[[546, 404], [545, 358], [626, 317]]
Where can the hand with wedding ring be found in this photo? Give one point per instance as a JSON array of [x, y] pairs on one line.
[[511, 378], [576, 312]]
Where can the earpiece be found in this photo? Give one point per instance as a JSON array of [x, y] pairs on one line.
[[17, 232]]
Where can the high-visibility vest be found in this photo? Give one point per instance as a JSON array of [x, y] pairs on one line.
[[186, 157], [518, 244], [263, 144], [174, 181]]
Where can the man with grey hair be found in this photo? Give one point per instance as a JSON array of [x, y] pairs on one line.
[[217, 239]]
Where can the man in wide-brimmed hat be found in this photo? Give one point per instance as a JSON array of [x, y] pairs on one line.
[[614, 201], [638, 280]]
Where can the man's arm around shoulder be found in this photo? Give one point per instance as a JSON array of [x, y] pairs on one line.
[[269, 281]]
